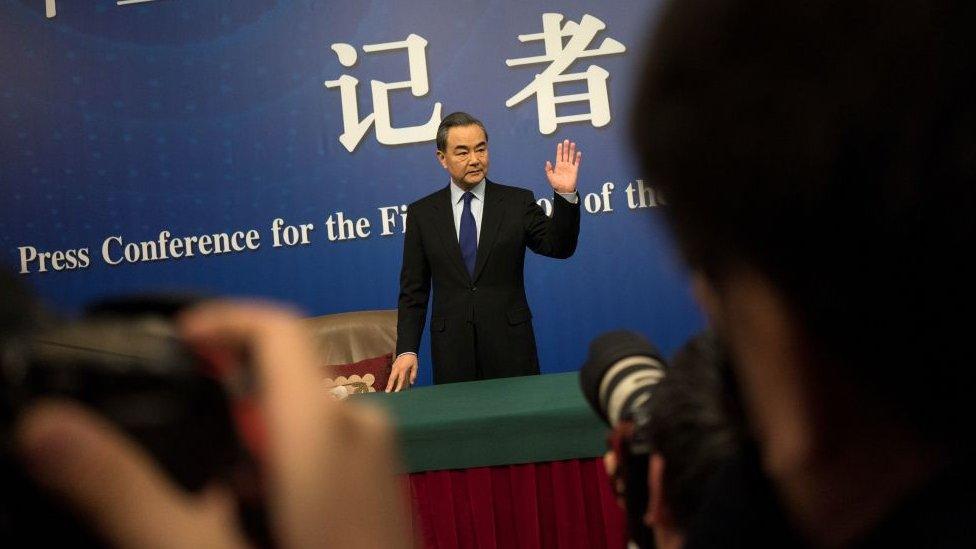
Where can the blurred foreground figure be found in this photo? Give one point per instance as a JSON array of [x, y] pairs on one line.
[[329, 468], [819, 164]]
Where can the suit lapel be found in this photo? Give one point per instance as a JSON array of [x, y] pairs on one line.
[[444, 222], [491, 220]]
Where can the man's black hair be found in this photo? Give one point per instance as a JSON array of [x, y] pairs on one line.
[[453, 120], [831, 147]]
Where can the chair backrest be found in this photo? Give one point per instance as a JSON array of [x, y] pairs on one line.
[[358, 349], [345, 338]]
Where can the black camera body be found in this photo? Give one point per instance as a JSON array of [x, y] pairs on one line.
[[127, 364]]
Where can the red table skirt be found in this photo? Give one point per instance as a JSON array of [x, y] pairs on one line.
[[564, 504]]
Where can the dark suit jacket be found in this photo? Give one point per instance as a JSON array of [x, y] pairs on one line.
[[492, 303]]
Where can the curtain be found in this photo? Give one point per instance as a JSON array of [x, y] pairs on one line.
[[558, 504]]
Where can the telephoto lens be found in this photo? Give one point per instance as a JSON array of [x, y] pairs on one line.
[[620, 373], [618, 380]]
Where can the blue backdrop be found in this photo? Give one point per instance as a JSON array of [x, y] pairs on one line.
[[124, 119]]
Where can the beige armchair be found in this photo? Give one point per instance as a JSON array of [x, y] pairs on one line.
[[356, 345]]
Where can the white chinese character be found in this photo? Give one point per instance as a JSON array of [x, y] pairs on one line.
[[560, 57], [50, 8], [355, 128]]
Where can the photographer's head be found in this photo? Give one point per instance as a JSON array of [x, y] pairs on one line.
[[818, 164], [692, 434], [20, 309]]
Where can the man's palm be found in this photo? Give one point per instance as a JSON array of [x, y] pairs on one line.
[[562, 176]]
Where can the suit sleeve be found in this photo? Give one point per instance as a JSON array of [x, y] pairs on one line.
[[414, 290], [554, 236]]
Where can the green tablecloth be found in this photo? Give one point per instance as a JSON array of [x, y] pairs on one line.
[[494, 422]]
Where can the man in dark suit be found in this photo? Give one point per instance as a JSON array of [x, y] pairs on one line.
[[468, 240]]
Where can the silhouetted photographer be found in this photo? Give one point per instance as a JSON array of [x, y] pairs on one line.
[[674, 426]]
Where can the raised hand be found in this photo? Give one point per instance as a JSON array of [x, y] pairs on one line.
[[562, 176]]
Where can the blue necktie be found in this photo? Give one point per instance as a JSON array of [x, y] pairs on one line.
[[468, 235]]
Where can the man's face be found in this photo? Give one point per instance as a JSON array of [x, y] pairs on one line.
[[465, 156]]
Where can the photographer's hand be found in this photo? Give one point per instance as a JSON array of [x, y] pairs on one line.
[[330, 466]]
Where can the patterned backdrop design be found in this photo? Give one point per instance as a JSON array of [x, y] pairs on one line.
[[122, 120]]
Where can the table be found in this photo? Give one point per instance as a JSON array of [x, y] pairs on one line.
[[505, 463]]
